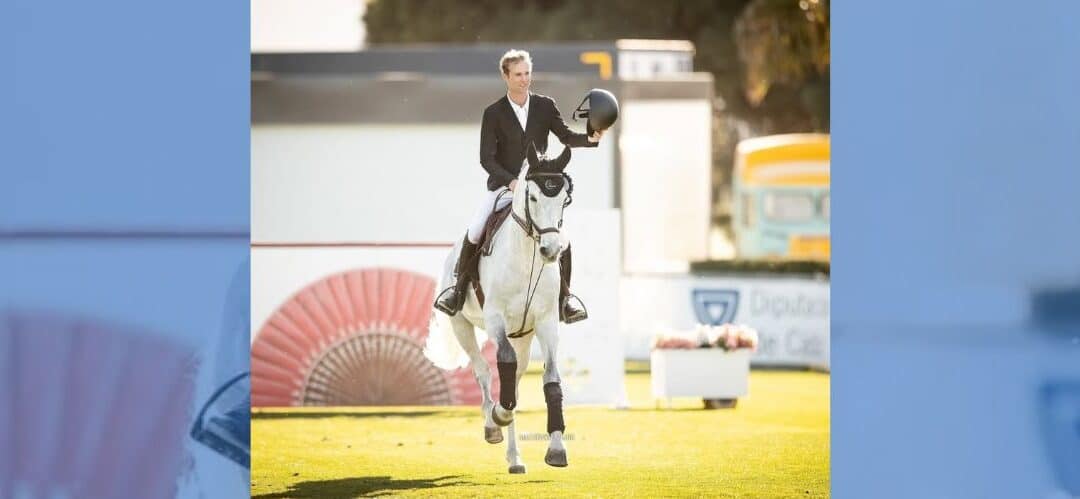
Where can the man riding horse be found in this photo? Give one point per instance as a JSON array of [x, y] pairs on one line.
[[508, 127]]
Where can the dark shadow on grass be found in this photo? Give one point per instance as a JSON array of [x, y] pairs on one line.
[[366, 486], [332, 414], [453, 412], [678, 409]]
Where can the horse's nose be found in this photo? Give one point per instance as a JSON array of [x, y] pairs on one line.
[[548, 252]]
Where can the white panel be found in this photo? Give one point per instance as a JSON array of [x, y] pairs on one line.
[[385, 183], [666, 186], [318, 183], [649, 65], [710, 373], [590, 352]]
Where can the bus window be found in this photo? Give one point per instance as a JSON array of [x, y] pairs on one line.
[[789, 206]]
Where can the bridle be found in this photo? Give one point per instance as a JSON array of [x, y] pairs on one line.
[[534, 232], [529, 225]]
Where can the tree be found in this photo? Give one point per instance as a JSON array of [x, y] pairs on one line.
[[769, 58], [781, 42]]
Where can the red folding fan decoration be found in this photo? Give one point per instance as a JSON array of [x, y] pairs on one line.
[[356, 338]]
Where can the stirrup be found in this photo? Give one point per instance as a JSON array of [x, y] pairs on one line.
[[444, 309], [570, 320]]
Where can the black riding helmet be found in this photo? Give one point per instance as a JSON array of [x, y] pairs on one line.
[[602, 112]]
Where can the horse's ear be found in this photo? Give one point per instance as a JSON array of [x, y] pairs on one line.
[[563, 159], [530, 153]]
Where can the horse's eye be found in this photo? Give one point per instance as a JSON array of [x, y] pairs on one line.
[[532, 198]]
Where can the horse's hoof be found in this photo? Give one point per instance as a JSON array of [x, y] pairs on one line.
[[556, 457], [493, 435], [500, 422], [517, 469]]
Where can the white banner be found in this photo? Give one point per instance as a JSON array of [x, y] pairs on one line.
[[791, 315]]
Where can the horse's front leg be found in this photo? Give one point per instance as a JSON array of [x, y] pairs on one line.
[[506, 362], [547, 333], [521, 349]]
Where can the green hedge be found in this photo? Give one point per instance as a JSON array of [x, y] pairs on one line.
[[800, 267]]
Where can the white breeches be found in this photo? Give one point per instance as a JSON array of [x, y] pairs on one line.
[[487, 206]]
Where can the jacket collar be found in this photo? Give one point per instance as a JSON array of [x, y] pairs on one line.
[[508, 108]]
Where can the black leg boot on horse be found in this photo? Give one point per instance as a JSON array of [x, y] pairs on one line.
[[571, 308], [553, 396], [452, 299]]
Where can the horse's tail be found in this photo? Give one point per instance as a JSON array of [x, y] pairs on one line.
[[443, 348]]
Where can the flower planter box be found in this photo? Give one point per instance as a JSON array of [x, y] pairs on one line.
[[709, 373]]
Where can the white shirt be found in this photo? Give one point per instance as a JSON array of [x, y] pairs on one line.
[[522, 112]]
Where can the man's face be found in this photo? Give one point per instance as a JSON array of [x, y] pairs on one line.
[[519, 77]]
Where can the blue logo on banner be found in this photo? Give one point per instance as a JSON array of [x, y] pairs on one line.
[[715, 306]]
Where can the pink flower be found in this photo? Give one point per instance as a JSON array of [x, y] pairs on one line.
[[674, 341], [720, 334], [726, 336], [711, 335], [748, 337], [731, 340]]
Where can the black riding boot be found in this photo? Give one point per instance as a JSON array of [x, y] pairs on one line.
[[570, 310], [452, 299]]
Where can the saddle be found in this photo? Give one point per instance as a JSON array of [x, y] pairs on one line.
[[486, 242], [487, 239]]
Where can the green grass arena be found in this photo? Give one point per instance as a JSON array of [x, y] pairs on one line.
[[775, 443]]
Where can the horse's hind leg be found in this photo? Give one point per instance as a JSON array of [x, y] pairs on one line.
[[513, 457], [547, 335], [466, 336]]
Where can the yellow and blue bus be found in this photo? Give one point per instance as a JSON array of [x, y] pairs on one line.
[[781, 197]]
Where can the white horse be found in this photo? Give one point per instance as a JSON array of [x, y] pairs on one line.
[[520, 280]]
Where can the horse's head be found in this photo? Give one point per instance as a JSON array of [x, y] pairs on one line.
[[542, 194]]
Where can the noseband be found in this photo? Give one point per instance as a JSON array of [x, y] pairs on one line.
[[528, 224]]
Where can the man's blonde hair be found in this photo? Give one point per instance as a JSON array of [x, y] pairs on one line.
[[513, 56]]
